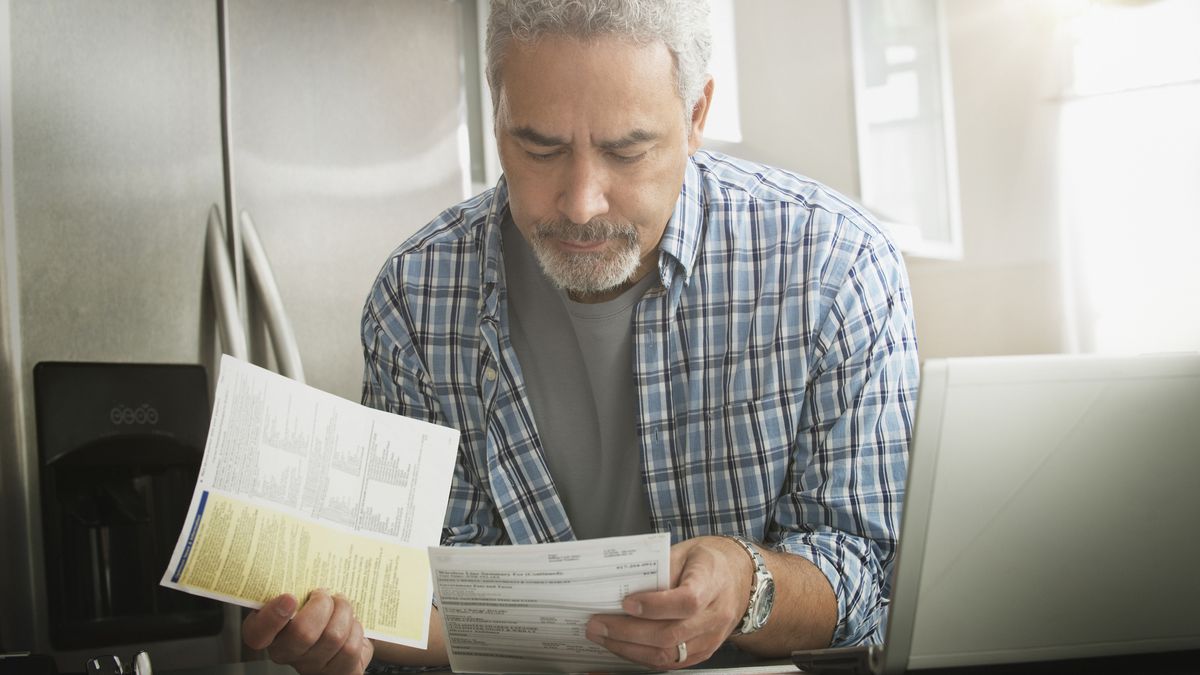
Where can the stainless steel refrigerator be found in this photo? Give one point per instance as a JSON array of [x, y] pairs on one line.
[[337, 127]]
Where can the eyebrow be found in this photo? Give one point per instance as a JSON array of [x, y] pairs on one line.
[[537, 137], [635, 137], [632, 138]]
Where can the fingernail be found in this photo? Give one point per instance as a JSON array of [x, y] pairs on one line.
[[596, 632], [286, 607], [633, 607]]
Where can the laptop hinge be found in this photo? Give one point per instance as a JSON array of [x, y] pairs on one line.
[[867, 660]]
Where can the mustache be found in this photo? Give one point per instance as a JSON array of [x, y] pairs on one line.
[[596, 229]]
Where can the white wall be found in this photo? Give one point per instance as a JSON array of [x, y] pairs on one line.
[[1004, 295], [795, 88]]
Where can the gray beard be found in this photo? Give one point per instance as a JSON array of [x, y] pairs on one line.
[[587, 273]]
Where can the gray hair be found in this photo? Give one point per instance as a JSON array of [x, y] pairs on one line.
[[682, 25]]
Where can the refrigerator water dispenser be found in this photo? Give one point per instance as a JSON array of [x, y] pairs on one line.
[[119, 449]]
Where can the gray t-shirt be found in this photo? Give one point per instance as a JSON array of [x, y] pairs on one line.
[[577, 362]]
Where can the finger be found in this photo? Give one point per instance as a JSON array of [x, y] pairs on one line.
[[294, 641], [651, 657], [698, 585], [337, 632], [260, 627], [606, 629], [665, 657], [354, 655], [679, 555], [682, 602]]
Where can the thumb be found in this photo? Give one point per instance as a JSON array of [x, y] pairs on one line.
[[260, 627], [367, 653], [681, 558]]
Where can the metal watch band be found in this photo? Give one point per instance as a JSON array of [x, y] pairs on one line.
[[760, 571]]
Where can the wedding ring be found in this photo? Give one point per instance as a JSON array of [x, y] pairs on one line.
[[682, 647]]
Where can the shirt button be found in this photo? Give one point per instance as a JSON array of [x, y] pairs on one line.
[[490, 374]]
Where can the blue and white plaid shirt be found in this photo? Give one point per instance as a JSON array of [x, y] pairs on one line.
[[775, 366]]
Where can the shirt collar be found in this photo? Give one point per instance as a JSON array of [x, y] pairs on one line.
[[680, 245], [492, 264]]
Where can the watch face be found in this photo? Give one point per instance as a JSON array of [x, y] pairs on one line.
[[764, 602]]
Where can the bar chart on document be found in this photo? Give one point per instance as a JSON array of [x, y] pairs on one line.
[[300, 489], [310, 459]]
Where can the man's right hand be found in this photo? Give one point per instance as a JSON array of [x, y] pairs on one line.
[[323, 637]]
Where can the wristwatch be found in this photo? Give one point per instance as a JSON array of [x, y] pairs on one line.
[[762, 591]]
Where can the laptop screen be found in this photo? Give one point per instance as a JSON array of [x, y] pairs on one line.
[[1052, 511]]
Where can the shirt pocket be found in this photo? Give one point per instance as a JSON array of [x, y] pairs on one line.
[[727, 467]]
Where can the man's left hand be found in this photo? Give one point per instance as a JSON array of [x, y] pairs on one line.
[[710, 589]]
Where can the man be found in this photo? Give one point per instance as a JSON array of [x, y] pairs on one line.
[[636, 336]]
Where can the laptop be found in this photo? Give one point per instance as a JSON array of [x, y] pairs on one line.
[[1052, 512]]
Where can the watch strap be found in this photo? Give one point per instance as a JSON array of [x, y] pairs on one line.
[[760, 571]]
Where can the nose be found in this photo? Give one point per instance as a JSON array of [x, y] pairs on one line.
[[584, 193]]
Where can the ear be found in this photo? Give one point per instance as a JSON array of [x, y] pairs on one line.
[[699, 116]]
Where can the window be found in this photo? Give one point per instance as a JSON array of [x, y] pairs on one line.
[[906, 149], [1130, 175]]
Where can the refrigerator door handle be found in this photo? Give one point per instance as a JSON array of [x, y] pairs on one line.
[[224, 288], [283, 338], [219, 266]]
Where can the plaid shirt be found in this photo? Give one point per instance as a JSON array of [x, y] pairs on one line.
[[775, 366]]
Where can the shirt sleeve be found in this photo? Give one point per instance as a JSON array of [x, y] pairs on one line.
[[395, 380], [841, 509]]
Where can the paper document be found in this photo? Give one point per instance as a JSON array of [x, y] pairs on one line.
[[300, 489], [523, 609]]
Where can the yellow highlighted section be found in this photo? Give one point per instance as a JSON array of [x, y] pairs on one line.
[[246, 551]]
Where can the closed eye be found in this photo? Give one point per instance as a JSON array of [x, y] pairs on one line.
[[628, 159], [543, 156]]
